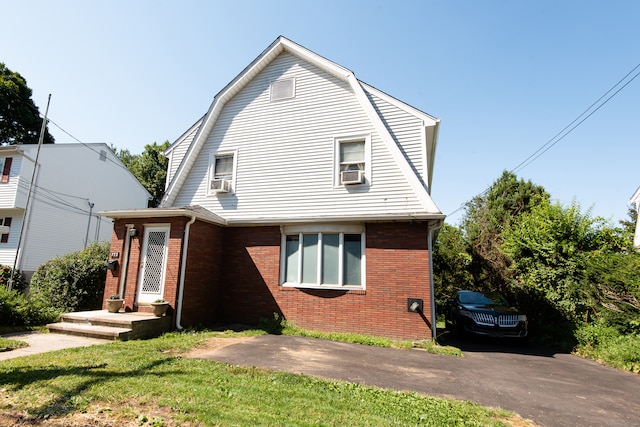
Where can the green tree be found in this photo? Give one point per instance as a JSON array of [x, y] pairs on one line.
[[486, 218], [629, 226], [150, 168], [451, 261], [20, 120]]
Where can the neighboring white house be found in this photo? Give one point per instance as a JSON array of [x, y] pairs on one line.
[[635, 200], [72, 184]]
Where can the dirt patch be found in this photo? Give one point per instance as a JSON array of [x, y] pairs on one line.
[[213, 344], [95, 416]]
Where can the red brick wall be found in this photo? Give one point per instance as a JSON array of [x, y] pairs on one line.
[[396, 269], [250, 274], [202, 275], [173, 260], [232, 275]]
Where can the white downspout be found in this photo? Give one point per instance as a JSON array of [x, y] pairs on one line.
[[183, 269], [432, 303]]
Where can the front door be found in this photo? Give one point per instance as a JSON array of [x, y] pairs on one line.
[[153, 263]]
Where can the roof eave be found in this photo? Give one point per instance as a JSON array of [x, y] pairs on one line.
[[164, 213], [404, 217]]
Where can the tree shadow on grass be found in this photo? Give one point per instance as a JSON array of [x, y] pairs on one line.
[[68, 399]]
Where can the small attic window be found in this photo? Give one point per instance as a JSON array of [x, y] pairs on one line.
[[103, 155], [283, 89]]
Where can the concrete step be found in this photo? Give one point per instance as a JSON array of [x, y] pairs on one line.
[[104, 318], [87, 330], [120, 326]]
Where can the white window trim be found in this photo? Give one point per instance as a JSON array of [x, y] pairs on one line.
[[323, 229], [367, 159], [211, 173]]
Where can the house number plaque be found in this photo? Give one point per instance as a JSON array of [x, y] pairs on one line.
[[115, 254]]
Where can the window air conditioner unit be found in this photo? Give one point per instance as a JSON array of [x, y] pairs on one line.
[[220, 185], [352, 177]]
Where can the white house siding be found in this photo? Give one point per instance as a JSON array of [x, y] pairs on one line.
[[407, 131], [8, 250], [10, 197], [286, 152], [71, 176], [178, 150]]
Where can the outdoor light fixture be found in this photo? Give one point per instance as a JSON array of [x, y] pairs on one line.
[[133, 232], [415, 305]]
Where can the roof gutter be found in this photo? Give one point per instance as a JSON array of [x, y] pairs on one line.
[[183, 269], [434, 227]]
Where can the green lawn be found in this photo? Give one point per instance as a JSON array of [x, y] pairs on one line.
[[7, 344], [149, 383]]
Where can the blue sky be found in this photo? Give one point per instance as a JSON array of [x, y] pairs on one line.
[[504, 77]]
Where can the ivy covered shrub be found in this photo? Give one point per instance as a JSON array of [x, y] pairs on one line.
[[73, 282]]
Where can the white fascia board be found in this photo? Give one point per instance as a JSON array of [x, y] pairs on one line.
[[317, 60], [635, 199], [181, 138], [428, 119], [431, 142], [401, 162], [164, 213]]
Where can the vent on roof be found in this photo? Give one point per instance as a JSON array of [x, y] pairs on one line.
[[283, 89], [103, 155]]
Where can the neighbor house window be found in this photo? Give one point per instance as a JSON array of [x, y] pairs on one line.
[[5, 223], [323, 259], [352, 160], [5, 167], [222, 172]]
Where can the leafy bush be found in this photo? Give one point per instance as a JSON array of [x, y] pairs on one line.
[[73, 282], [18, 310], [606, 344], [19, 283]]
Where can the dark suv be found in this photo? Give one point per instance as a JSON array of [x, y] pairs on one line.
[[475, 313]]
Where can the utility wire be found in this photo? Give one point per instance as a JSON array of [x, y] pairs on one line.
[[33, 108], [549, 143], [566, 130]]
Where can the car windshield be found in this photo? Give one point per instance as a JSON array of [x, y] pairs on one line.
[[478, 298]]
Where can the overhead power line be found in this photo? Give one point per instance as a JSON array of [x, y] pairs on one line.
[[592, 109], [577, 121], [48, 120]]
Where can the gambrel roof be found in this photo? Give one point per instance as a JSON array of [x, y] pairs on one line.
[[364, 95]]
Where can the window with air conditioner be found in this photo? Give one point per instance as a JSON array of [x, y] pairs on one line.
[[327, 259], [221, 173], [352, 160]]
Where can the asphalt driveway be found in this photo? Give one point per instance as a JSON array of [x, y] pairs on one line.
[[552, 389]]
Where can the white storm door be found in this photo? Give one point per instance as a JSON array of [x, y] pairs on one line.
[[153, 263]]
